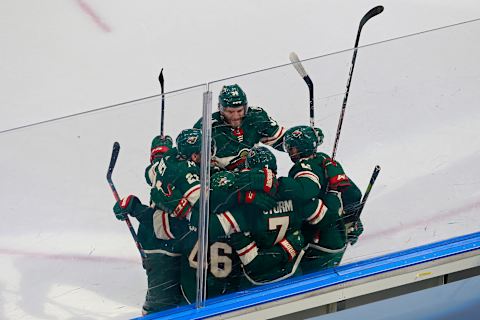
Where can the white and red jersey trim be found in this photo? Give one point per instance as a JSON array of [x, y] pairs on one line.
[[309, 175], [318, 214], [192, 194], [273, 139], [248, 253], [161, 225], [228, 223]]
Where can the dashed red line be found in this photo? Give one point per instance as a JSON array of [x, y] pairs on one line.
[[73, 257], [416, 223], [87, 9], [367, 237]]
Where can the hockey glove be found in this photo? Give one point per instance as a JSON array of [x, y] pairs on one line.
[[160, 145], [292, 244], [171, 201], [262, 180], [354, 230], [337, 178], [259, 199], [125, 206]]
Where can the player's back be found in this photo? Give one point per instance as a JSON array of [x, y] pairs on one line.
[[224, 274], [270, 227]]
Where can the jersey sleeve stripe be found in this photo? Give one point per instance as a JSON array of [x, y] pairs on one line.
[[319, 213], [228, 222], [273, 139], [192, 194], [161, 225], [161, 251], [309, 175], [248, 253]]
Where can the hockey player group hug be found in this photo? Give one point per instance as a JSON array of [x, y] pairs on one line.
[[262, 228]]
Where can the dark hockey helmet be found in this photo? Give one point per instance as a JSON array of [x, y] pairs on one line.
[[221, 184], [189, 141], [232, 96], [159, 146], [222, 180], [302, 141], [260, 157]]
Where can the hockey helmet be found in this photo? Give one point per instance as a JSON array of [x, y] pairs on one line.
[[259, 157], [303, 139], [232, 96], [222, 180], [189, 141]]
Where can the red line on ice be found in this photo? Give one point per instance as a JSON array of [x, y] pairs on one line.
[[425, 222], [62, 256], [367, 237], [91, 13]]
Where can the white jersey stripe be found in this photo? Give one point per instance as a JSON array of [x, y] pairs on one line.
[[228, 222], [248, 253], [272, 140], [160, 251], [161, 225], [309, 175], [318, 214], [192, 194]]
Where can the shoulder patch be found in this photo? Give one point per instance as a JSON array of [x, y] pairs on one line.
[[305, 165]]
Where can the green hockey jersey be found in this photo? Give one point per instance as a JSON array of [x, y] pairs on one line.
[[161, 261], [233, 144], [233, 254], [183, 175], [314, 178]]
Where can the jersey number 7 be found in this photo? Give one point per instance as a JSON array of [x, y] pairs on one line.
[[280, 224]]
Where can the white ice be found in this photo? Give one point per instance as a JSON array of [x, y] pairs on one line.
[[412, 109]]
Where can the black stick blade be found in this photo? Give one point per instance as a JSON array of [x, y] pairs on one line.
[[376, 171], [373, 178], [370, 14], [113, 160], [161, 79]]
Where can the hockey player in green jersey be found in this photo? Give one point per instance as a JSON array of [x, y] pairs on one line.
[[287, 217], [232, 252], [162, 256], [301, 143], [231, 249], [237, 127], [178, 170], [175, 181], [317, 168]]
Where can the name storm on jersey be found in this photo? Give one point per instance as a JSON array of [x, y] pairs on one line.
[[282, 206]]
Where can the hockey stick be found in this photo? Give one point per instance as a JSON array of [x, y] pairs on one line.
[[111, 166], [162, 116], [374, 176], [353, 226], [370, 14], [299, 67]]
